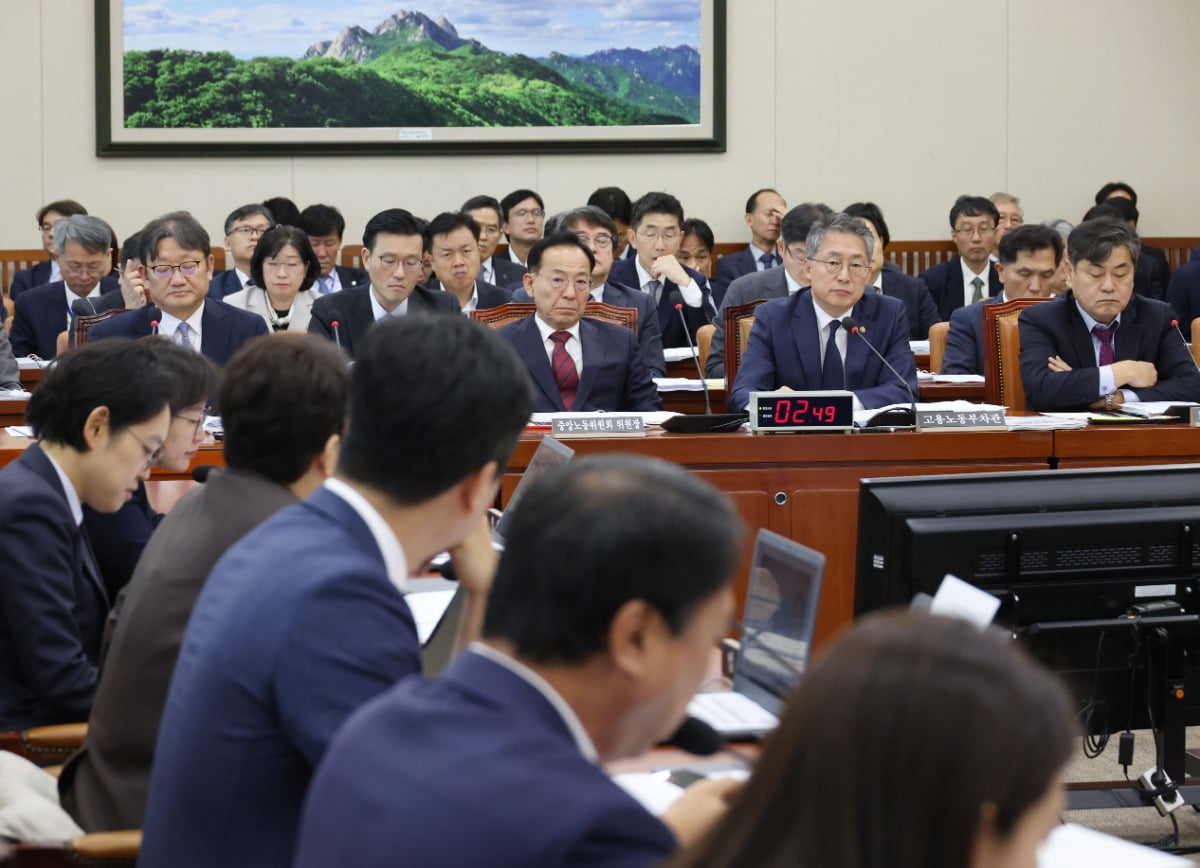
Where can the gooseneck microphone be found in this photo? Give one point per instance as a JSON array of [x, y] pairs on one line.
[[1186, 346], [850, 324], [677, 298], [708, 422], [153, 326], [335, 323]]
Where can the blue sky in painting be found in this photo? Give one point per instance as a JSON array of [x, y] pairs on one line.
[[533, 27]]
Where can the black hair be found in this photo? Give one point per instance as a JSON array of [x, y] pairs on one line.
[[1106, 192], [1094, 240], [515, 198], [1124, 207], [696, 226], [193, 376], [588, 538], [117, 373], [798, 222], [282, 397], [558, 239], [614, 202], [449, 221], [274, 240], [282, 210], [131, 250], [656, 203], [752, 202], [247, 211], [65, 207], [477, 202], [433, 399], [1029, 238], [973, 206], [321, 220], [870, 212], [393, 221]]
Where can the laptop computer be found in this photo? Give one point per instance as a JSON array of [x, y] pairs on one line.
[[777, 629], [549, 454]]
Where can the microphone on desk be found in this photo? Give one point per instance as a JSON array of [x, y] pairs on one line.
[[335, 323], [850, 324], [1186, 345], [696, 737], [709, 421]]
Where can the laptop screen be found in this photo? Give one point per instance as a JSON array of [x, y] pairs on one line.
[[550, 453], [778, 622]]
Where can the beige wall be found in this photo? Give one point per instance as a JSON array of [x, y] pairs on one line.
[[907, 102]]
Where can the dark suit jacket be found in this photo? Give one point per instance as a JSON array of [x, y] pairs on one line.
[[223, 328], [107, 301], [918, 301], [732, 266], [785, 350], [118, 538], [508, 274], [1145, 334], [1183, 294], [613, 378], [297, 626], [525, 773], [650, 346], [104, 785], [350, 277], [40, 317], [945, 282], [52, 600], [10, 371], [27, 278], [624, 271], [964, 341], [353, 310], [224, 283], [747, 288], [1151, 274]]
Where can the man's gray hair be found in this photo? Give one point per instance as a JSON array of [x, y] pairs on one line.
[[1059, 225], [178, 225], [841, 223], [583, 214], [90, 233]]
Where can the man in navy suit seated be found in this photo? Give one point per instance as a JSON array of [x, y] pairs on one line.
[[178, 268], [304, 619], [575, 363], [48, 271], [524, 215], [454, 247], [799, 342], [497, 270], [1183, 293], [325, 227], [764, 214], [1101, 344], [657, 232], [243, 227], [970, 276], [1030, 257], [44, 312], [593, 645]]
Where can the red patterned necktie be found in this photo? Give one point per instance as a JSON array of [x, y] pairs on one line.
[[565, 374]]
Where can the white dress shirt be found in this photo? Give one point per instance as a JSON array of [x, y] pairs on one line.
[[968, 276], [380, 313], [168, 326], [1108, 381], [574, 347], [840, 338]]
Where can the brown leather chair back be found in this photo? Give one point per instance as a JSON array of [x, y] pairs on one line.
[[45, 745], [1002, 353], [704, 336], [98, 850], [84, 322], [738, 320], [503, 314], [937, 345]]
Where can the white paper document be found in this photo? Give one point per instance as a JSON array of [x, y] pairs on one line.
[[1074, 846], [427, 609], [678, 354], [686, 384], [958, 599]]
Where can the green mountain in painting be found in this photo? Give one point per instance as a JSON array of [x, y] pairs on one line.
[[410, 71]]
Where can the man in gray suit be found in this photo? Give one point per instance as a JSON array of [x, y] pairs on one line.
[[599, 232], [284, 382], [772, 283]]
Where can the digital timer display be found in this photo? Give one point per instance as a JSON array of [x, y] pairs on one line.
[[801, 411]]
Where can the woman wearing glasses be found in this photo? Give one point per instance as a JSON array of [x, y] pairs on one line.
[[284, 269], [118, 537], [101, 418]]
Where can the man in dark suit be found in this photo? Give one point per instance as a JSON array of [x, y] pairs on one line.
[[922, 312], [764, 214], [1029, 261], [453, 244], [42, 273], [1101, 344], [243, 227], [1151, 272], [285, 384], [577, 669], [575, 364], [45, 312], [799, 342], [499, 271], [325, 227], [524, 215], [657, 231], [970, 276], [1183, 293], [132, 292], [393, 244], [178, 271], [435, 408], [598, 232], [774, 283]]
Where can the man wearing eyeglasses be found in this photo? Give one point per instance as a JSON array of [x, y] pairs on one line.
[[85, 259], [576, 364], [800, 342], [48, 271], [524, 215], [393, 244], [178, 269], [499, 271], [971, 276], [598, 232], [243, 227]]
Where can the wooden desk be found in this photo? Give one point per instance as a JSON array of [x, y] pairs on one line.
[[1115, 446], [30, 377], [12, 411], [209, 453], [951, 392]]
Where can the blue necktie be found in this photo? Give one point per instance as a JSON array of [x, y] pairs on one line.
[[184, 331], [767, 260], [325, 284], [833, 375]]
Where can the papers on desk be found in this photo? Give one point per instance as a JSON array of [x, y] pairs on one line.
[[1147, 409], [427, 609], [927, 377], [1073, 846], [651, 417], [656, 792], [919, 347], [1047, 422], [28, 362], [19, 431], [678, 354], [15, 395], [686, 384]]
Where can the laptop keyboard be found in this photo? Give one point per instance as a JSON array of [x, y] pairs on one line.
[[730, 712]]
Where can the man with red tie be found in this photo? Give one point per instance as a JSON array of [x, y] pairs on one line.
[[575, 364]]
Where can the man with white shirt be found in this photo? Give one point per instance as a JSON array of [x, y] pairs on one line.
[[970, 276], [524, 215], [499, 271], [85, 258], [178, 269], [243, 227], [454, 248], [593, 645], [325, 226], [393, 245], [304, 619], [657, 232], [774, 283]]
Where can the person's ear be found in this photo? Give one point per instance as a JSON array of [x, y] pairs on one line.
[[633, 636], [96, 427], [999, 270], [326, 461], [478, 489]]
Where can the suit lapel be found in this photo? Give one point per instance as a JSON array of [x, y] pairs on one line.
[[91, 568], [594, 351], [214, 340], [359, 317], [530, 348], [867, 315], [808, 342], [1126, 339], [1078, 334]]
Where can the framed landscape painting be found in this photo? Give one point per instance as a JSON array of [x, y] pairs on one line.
[[368, 77]]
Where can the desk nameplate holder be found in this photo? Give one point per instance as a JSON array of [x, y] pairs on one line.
[[961, 420], [605, 425]]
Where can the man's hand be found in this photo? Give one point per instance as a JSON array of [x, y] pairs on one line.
[[699, 808], [475, 559], [1138, 375], [133, 286], [1058, 365], [668, 266]]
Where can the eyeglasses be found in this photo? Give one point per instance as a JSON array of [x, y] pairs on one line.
[[968, 231], [490, 231], [250, 231], [91, 270], [46, 227], [289, 264], [196, 423], [522, 213], [187, 269], [559, 284], [600, 242], [655, 234], [797, 252], [835, 266], [152, 453], [391, 263]]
